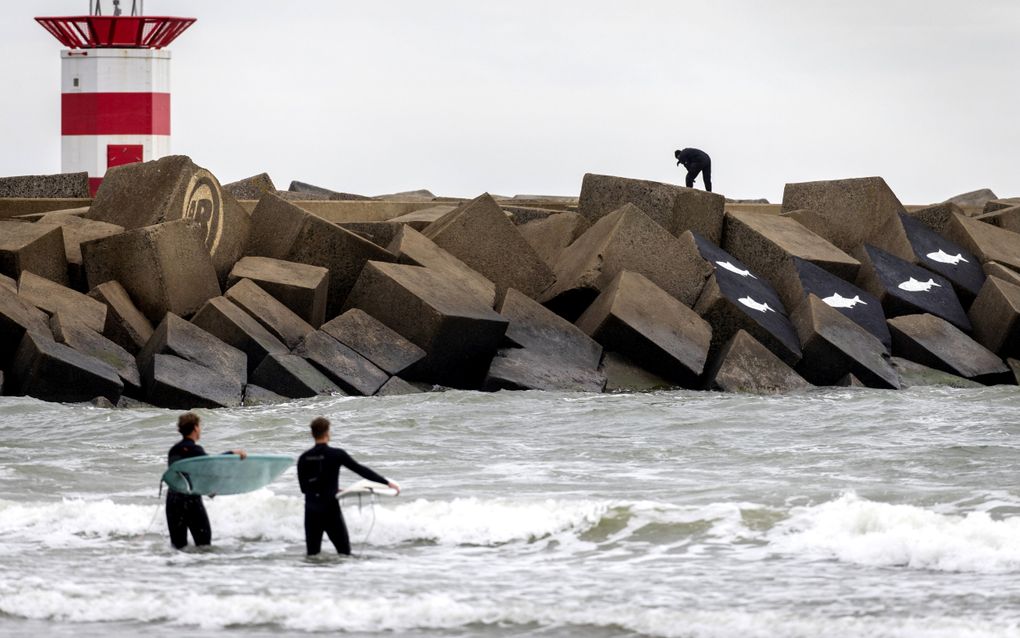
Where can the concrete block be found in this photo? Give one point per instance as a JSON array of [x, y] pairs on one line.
[[293, 376], [834, 346], [177, 337], [415, 249], [233, 326], [257, 395], [536, 328], [675, 208], [521, 215], [937, 216], [77, 230], [249, 188], [420, 219], [995, 269], [60, 185], [125, 324], [45, 369], [164, 268], [18, 316], [737, 299], [373, 340], [300, 287], [635, 317], [906, 289], [53, 298], [1005, 218], [995, 316], [524, 369], [626, 239], [380, 233], [278, 319], [37, 248], [954, 262], [856, 304], [479, 234], [9, 283], [303, 189], [352, 372], [178, 384], [851, 212], [87, 341], [173, 188], [768, 244], [623, 375], [914, 374], [396, 387], [1014, 365], [550, 236], [934, 342], [459, 333], [988, 242], [850, 381], [978, 198], [282, 230], [745, 365], [993, 205]]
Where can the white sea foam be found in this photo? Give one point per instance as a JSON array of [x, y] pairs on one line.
[[864, 532]]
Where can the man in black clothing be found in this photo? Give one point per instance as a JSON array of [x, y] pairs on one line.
[[185, 511], [318, 472], [695, 161]]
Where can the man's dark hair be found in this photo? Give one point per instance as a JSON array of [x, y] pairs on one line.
[[320, 426], [187, 422]]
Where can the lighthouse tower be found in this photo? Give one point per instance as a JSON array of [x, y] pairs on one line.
[[115, 87]]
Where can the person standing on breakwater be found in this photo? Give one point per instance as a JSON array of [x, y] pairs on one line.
[[695, 161], [185, 511], [318, 472]]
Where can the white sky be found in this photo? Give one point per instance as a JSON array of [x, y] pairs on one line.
[[525, 96]]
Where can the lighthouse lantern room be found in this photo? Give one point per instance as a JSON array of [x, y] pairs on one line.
[[115, 87]]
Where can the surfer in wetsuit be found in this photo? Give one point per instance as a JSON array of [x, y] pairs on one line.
[[185, 511], [695, 161], [318, 472]]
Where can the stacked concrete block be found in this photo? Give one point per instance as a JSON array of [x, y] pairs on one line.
[[294, 377], [173, 188], [675, 208], [380, 233], [257, 395], [915, 374], [230, 324], [480, 234], [9, 283], [624, 375], [745, 365], [164, 268], [936, 217], [413, 248], [397, 387], [1005, 218], [52, 371], [834, 346], [176, 383], [37, 248], [302, 190], [995, 316], [77, 230], [995, 269], [906, 289], [550, 236], [282, 322], [249, 188], [851, 212], [126, 325], [954, 262], [420, 219], [373, 340], [90, 342], [988, 242], [635, 317], [54, 298], [936, 343], [60, 185], [18, 316], [768, 244], [284, 231], [625, 239], [300, 287], [737, 299], [852, 302], [993, 205], [352, 372], [459, 333]]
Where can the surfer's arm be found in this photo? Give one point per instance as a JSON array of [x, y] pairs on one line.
[[241, 453], [364, 472]]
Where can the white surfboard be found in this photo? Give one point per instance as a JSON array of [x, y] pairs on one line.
[[365, 486]]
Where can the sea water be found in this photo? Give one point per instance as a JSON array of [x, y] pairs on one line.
[[835, 512]]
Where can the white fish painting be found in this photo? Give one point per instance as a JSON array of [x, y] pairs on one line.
[[945, 258], [913, 285], [730, 267], [755, 305], [837, 300]]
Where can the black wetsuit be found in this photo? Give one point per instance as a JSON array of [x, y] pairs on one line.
[[696, 161], [318, 472], [185, 511]]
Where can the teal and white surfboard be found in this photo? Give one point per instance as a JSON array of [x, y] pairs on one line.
[[225, 473]]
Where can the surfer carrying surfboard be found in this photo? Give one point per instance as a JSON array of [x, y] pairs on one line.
[[318, 472], [186, 512]]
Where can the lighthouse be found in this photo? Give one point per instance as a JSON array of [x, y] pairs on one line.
[[114, 87]]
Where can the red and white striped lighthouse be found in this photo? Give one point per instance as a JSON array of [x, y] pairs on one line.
[[115, 88]]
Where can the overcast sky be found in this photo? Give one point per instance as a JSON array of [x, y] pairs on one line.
[[523, 96]]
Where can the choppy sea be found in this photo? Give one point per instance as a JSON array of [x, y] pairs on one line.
[[837, 512]]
